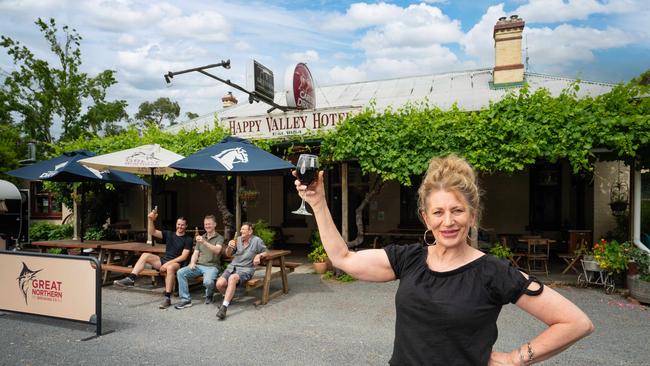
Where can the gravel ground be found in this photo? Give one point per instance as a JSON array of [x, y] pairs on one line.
[[318, 323]]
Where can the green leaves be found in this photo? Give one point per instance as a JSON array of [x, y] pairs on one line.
[[39, 92], [507, 136]]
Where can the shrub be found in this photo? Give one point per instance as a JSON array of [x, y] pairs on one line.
[[41, 230], [93, 233], [501, 251], [265, 233]]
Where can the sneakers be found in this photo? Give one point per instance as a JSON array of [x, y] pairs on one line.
[[124, 282], [221, 314], [208, 300], [183, 304], [165, 304]]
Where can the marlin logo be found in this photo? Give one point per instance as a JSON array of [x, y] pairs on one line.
[[25, 278]]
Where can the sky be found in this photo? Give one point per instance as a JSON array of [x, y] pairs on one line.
[[341, 42]]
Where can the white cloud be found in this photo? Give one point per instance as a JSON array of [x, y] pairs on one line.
[[362, 15], [401, 41], [553, 11], [566, 43], [346, 74], [148, 63], [307, 56], [242, 46], [127, 40], [478, 42], [205, 26], [125, 15]]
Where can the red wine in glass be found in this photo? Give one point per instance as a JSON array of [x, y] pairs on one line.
[[306, 170], [306, 175]]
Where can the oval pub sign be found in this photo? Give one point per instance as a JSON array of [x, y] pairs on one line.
[[301, 94]]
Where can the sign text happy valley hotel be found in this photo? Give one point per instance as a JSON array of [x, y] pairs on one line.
[[287, 124]]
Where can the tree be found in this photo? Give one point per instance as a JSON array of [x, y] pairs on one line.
[[191, 115], [40, 93], [163, 109]]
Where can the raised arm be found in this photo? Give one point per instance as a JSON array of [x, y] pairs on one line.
[[567, 324], [151, 228], [367, 265]]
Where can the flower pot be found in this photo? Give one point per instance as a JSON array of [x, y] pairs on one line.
[[320, 267], [590, 264], [639, 290]]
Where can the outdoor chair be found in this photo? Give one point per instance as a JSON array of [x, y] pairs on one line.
[[538, 255]]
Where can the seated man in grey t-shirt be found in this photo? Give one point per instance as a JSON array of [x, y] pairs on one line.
[[247, 250]]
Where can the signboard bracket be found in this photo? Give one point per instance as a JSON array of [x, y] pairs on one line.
[[252, 96]]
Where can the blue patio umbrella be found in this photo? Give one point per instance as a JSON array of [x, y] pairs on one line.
[[234, 156], [65, 168]]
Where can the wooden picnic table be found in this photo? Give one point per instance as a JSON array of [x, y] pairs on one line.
[[126, 250], [273, 257], [72, 244]]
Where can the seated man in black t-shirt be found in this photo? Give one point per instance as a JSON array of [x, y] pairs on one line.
[[177, 252]]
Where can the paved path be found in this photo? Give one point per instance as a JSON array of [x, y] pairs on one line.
[[317, 323]]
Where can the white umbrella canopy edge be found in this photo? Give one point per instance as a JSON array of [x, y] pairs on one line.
[[151, 159]]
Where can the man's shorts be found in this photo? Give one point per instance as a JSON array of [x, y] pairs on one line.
[[243, 276]]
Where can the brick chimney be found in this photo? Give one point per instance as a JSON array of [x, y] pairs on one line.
[[228, 100], [507, 51]]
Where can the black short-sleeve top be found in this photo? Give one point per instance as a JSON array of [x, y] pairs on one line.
[[175, 245], [449, 318]]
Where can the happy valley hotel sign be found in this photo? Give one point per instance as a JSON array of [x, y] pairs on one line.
[[287, 124]]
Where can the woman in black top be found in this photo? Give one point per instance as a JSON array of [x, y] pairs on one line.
[[450, 294]]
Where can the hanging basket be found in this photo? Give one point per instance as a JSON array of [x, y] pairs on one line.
[[248, 196], [618, 208]]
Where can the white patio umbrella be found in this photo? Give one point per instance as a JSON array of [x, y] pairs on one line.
[[146, 159]]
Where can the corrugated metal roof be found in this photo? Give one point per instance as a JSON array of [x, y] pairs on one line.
[[471, 90]]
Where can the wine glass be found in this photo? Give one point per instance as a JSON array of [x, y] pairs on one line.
[[306, 171]]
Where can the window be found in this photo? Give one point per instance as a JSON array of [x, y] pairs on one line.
[[44, 205]]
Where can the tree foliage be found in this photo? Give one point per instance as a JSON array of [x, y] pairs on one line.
[[509, 135], [159, 111], [41, 93]]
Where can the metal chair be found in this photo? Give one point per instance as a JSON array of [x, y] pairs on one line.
[[538, 255]]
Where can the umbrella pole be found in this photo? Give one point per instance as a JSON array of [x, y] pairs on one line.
[[237, 204], [81, 216], [75, 211], [150, 206]]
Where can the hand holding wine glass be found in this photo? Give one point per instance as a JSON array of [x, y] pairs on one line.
[[306, 172]]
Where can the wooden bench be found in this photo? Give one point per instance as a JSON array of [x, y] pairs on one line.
[[150, 272]]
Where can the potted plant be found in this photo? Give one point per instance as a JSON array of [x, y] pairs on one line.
[[638, 280], [501, 251], [611, 256], [588, 260], [265, 233], [318, 256], [618, 198]]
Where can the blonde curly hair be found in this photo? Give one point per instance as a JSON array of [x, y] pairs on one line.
[[452, 174]]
